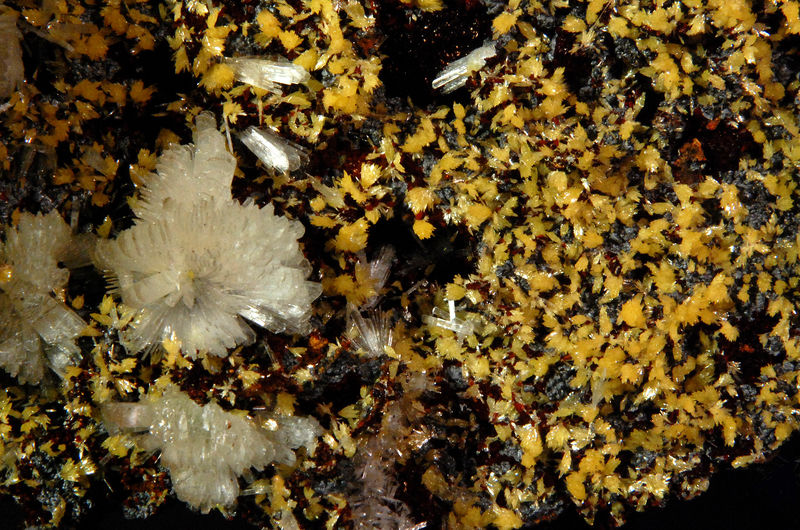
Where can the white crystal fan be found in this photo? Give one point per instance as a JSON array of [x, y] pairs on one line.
[[186, 174], [206, 448], [197, 262], [36, 328]]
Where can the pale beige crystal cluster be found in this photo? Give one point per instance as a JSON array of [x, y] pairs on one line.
[[198, 265], [206, 448], [37, 329]]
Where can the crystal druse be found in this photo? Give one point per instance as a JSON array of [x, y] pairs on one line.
[[408, 263]]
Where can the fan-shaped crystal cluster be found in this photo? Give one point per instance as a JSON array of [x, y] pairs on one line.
[[36, 328], [188, 174], [206, 448], [197, 262]]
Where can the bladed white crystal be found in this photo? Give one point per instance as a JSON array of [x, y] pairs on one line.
[[265, 73], [194, 273], [449, 320], [371, 334], [455, 74], [275, 153]]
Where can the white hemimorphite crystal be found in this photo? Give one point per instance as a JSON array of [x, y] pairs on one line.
[[197, 262], [371, 334], [274, 152], [187, 173], [36, 329], [12, 72], [206, 448], [449, 320], [266, 74], [375, 273], [192, 274], [373, 500], [455, 74]]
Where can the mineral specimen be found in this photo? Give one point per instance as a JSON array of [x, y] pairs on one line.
[[595, 286]]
